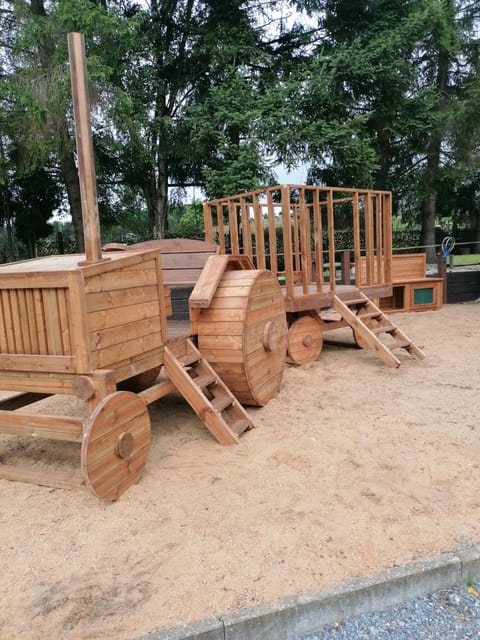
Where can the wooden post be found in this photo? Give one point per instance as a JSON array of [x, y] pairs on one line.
[[83, 135], [345, 261], [442, 273]]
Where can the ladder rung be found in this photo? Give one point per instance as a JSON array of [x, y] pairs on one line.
[[204, 380], [188, 359], [219, 403], [356, 301], [401, 344], [370, 314], [386, 328], [240, 425]]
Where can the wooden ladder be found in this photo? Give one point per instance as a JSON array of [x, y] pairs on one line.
[[205, 392], [369, 322]]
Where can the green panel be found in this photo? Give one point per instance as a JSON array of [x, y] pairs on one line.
[[423, 296]]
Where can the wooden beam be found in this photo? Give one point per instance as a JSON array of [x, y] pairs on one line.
[[50, 427], [42, 478], [83, 134]]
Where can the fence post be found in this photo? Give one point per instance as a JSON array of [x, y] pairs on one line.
[[442, 273]]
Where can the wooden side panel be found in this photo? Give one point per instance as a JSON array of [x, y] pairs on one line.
[[35, 322], [125, 309], [405, 266]]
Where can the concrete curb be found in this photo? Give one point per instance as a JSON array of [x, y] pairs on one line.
[[290, 618]]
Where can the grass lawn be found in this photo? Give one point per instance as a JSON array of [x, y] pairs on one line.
[[471, 258]]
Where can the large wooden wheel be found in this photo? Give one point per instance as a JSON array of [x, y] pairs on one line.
[[115, 445], [305, 339], [243, 334]]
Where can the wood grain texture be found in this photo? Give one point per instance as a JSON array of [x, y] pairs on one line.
[[106, 473], [231, 334], [305, 339]]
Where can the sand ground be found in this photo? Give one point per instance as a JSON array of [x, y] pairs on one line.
[[353, 468]]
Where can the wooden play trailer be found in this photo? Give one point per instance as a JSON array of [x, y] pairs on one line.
[[88, 330], [97, 326], [290, 230]]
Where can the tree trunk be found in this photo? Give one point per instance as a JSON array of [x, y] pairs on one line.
[[161, 208], [428, 210], [434, 145], [70, 177]]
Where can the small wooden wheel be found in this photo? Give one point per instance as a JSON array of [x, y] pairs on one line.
[[305, 339], [115, 445]]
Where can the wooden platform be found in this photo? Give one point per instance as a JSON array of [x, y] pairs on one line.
[[323, 300]]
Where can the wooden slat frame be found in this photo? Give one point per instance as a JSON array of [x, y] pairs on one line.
[[259, 233], [272, 234], [246, 229], [387, 236], [305, 248], [369, 238], [232, 224], [379, 237], [318, 237], [331, 239], [356, 240], [208, 222], [287, 242]]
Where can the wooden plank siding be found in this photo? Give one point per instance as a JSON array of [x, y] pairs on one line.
[[124, 314], [35, 322]]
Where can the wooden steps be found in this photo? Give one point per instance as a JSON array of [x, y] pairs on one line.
[[369, 323], [206, 393]]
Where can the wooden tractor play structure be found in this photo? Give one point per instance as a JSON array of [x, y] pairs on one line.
[[100, 326]]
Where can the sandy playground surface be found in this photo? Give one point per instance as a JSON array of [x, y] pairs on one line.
[[353, 468]]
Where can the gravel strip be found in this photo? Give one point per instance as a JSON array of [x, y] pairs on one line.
[[452, 614]]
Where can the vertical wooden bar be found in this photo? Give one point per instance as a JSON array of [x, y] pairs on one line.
[[83, 134], [32, 323], [387, 237], [208, 222], [379, 239], [48, 311], [318, 239], [296, 240], [345, 262], [272, 235], [305, 244], [23, 327], [287, 242], [221, 229], [232, 225], [246, 228], [356, 240], [40, 321], [3, 331], [369, 238], [64, 324], [16, 322], [77, 309], [8, 319], [259, 233], [331, 239]]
